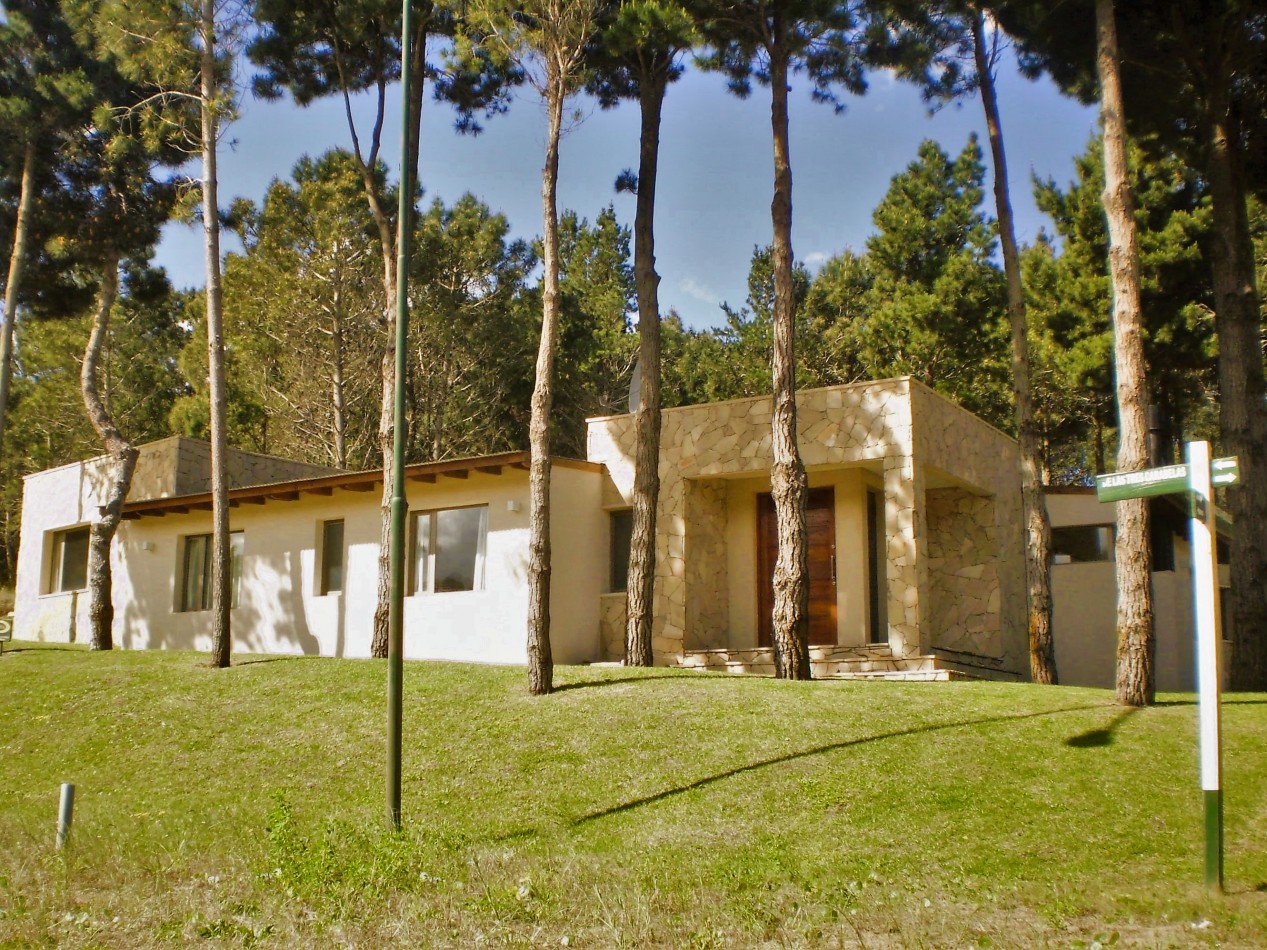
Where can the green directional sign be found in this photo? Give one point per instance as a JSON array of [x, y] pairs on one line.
[[1143, 484], [1225, 471]]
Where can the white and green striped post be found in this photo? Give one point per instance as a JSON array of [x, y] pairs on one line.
[[1205, 598]]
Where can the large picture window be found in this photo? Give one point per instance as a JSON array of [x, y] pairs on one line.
[[69, 567], [448, 549], [195, 575]]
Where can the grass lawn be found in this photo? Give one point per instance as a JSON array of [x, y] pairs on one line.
[[633, 808]]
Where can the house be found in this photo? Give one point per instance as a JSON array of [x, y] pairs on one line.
[[915, 545], [1084, 590]]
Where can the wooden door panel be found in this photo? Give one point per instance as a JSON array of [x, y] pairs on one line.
[[820, 523]]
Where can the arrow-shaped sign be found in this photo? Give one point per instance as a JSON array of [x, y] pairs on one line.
[[1225, 471]]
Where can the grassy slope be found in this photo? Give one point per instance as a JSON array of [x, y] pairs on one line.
[[632, 808]]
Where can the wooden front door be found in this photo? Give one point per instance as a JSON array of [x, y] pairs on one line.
[[820, 519]]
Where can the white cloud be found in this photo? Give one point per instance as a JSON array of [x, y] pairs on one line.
[[697, 291]]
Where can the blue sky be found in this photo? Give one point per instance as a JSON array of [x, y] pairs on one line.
[[715, 177]]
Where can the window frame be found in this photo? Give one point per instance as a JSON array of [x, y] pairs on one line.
[[1072, 543], [425, 584], [56, 581], [619, 526], [237, 551], [325, 565]]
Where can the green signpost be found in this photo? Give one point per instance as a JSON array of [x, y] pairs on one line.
[[1198, 477]]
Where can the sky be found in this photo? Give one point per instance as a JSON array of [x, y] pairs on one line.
[[716, 168]]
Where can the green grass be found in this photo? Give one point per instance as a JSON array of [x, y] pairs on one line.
[[244, 807]]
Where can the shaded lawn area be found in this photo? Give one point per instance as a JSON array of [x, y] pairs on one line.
[[632, 808]]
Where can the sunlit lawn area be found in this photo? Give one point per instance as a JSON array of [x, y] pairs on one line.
[[244, 807]]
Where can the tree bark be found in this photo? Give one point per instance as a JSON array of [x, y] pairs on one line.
[[221, 567], [17, 265], [1242, 410], [123, 455], [1135, 645], [788, 482], [338, 403], [540, 657], [1042, 653], [646, 493]]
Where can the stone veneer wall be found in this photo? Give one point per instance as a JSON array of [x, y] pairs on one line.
[[707, 609], [612, 618], [179, 466], [963, 575], [865, 422], [963, 449]]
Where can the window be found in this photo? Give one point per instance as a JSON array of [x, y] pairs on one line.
[[448, 550], [622, 537], [69, 567], [1082, 543], [195, 575], [331, 556]]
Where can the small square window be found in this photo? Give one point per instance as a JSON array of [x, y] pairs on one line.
[[195, 575], [1082, 543], [448, 550], [331, 556], [69, 565]]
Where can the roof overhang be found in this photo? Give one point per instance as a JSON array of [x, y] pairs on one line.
[[326, 485]]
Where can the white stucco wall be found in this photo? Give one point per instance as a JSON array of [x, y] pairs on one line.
[[280, 607]]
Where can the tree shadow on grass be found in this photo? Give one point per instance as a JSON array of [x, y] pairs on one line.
[[629, 680], [276, 659], [669, 793], [1097, 738]]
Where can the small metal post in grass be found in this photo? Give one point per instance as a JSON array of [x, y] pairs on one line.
[[65, 814]]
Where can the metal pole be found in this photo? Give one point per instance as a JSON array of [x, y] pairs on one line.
[[395, 616], [1205, 600], [65, 814]]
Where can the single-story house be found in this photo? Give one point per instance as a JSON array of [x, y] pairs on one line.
[[915, 545]]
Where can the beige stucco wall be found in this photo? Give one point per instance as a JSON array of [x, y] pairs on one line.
[[280, 608], [1084, 602]]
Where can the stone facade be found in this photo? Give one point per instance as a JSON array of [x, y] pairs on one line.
[[963, 571], [898, 437]]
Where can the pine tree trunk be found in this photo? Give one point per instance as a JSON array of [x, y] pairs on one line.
[[338, 402], [17, 265], [123, 455], [540, 657], [382, 602], [646, 494], [1042, 653], [1135, 647], [221, 566], [1242, 411], [788, 483]]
